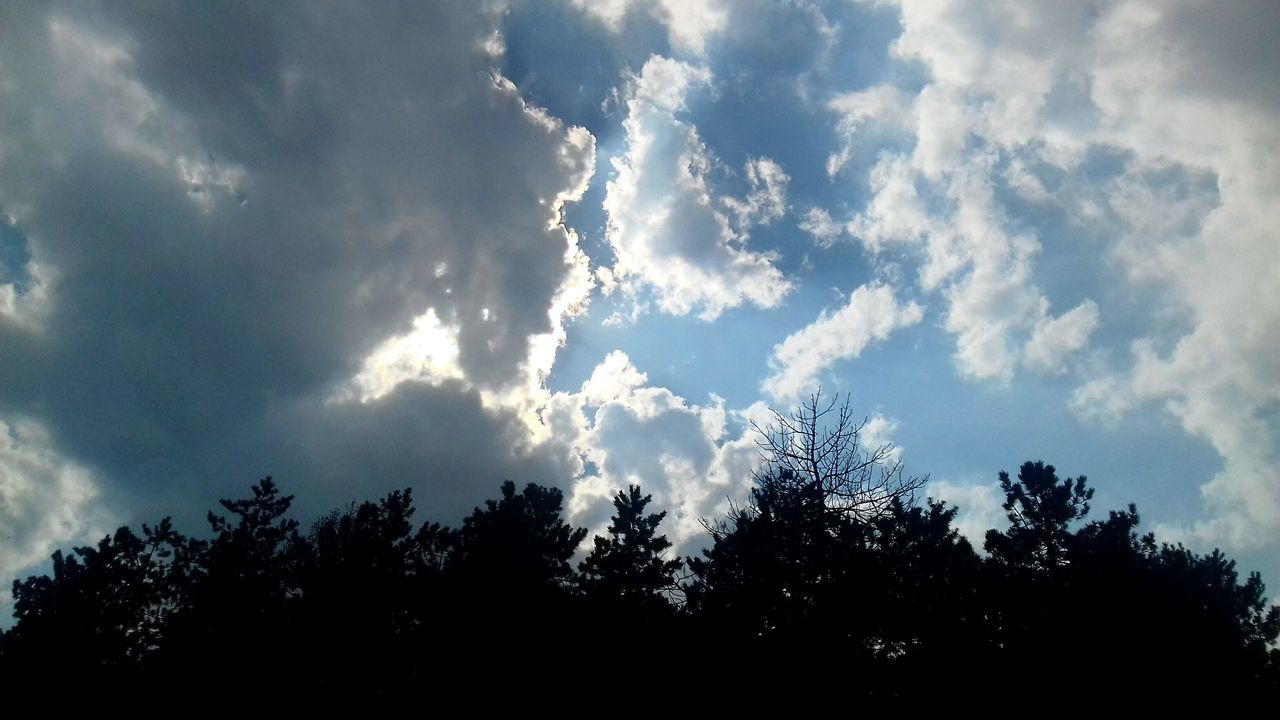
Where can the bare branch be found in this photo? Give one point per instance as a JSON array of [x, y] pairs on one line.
[[820, 443]]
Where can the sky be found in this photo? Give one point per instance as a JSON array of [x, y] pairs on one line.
[[585, 243]]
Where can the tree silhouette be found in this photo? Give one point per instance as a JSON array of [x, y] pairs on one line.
[[1135, 613], [508, 576], [821, 443], [1208, 627], [237, 621], [103, 609], [519, 541], [811, 586], [1040, 509], [360, 582], [776, 564], [928, 612], [772, 563], [894, 599], [629, 568], [245, 557]]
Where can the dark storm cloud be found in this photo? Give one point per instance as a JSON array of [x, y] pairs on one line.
[[440, 440], [235, 204]]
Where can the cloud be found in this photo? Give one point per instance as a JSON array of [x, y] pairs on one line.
[[818, 223], [234, 216], [689, 23], [1055, 338], [428, 353], [896, 214], [692, 458], [872, 313], [758, 38], [877, 113], [979, 506], [444, 440], [670, 233], [24, 303], [767, 200], [878, 432], [1020, 92], [969, 251], [45, 500]]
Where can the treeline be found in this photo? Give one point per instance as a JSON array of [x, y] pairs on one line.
[[831, 577]]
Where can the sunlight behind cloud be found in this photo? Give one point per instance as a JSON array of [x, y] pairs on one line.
[[427, 353]]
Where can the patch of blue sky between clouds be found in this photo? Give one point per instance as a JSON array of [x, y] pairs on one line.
[[14, 256]]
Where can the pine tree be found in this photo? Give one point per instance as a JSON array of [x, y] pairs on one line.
[[629, 566]]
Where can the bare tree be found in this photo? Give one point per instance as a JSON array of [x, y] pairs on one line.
[[820, 444]]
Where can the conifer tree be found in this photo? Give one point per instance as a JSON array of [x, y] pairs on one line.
[[630, 566]]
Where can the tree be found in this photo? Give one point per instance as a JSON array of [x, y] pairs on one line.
[[775, 565], [1040, 509], [520, 541], [1102, 599], [629, 568], [238, 616], [250, 558], [1209, 627], [924, 584], [104, 608], [360, 594], [821, 444], [507, 576], [798, 565]]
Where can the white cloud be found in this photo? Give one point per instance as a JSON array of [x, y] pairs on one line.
[[613, 378], [1055, 338], [427, 353], [896, 214], [942, 121], [1165, 74], [1104, 398], [1025, 183], [872, 313], [46, 500], [993, 297], [874, 114], [983, 267], [684, 454], [767, 200], [690, 23], [818, 223], [669, 232], [979, 506], [1186, 96], [878, 432], [934, 187], [26, 304]]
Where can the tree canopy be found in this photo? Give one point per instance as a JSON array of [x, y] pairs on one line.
[[832, 556]]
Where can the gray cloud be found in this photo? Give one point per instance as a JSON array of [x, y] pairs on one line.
[[233, 205]]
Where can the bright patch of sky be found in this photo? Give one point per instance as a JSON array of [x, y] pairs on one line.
[[584, 244]]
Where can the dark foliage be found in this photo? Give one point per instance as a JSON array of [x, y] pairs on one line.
[[104, 608], [629, 568], [808, 583], [1138, 615]]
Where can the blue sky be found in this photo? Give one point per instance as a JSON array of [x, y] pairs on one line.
[[586, 243]]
